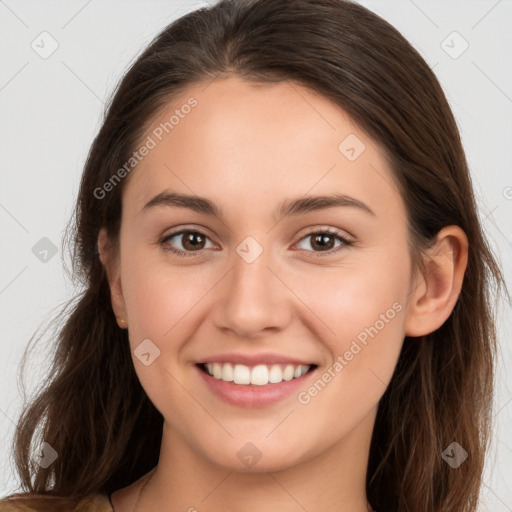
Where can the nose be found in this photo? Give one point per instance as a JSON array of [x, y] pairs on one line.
[[253, 299]]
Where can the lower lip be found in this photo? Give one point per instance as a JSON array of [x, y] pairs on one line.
[[251, 395]]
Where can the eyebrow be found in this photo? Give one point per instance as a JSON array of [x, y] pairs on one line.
[[288, 208]]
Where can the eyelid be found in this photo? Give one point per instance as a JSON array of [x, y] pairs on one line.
[[319, 228]]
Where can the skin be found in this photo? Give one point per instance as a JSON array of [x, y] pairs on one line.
[[247, 148]]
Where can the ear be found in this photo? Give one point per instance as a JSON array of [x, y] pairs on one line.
[[110, 261], [435, 294]]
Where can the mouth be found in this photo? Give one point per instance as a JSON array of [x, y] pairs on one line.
[[255, 375], [256, 386]]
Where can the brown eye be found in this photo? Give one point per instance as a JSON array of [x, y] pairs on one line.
[[324, 242], [191, 241]]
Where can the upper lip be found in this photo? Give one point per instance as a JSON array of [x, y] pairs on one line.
[[254, 359]]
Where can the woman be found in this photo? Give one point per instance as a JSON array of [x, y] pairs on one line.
[[287, 298]]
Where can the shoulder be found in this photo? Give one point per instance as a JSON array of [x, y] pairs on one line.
[[28, 502]]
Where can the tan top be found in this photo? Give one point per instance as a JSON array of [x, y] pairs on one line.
[[26, 502]]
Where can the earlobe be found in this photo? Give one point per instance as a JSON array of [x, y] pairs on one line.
[[435, 294], [111, 265]]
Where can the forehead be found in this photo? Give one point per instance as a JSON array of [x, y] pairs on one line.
[[236, 141]]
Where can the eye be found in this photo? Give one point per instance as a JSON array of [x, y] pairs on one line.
[[193, 241], [324, 239]]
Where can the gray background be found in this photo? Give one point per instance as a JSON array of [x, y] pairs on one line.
[[51, 109]]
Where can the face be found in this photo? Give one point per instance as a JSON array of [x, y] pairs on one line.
[[262, 286]]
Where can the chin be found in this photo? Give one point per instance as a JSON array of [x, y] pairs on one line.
[[255, 457]]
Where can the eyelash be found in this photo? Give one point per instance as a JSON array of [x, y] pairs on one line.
[[177, 252]]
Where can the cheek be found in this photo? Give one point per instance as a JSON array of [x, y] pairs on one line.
[[162, 303], [157, 298], [157, 294], [357, 294], [363, 308]]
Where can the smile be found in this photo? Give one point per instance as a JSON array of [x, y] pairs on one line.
[[258, 375], [258, 385]]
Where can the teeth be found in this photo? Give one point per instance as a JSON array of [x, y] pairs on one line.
[[275, 375], [217, 370], [259, 375], [241, 374], [227, 372]]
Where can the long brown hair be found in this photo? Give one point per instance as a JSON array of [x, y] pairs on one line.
[[93, 410]]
